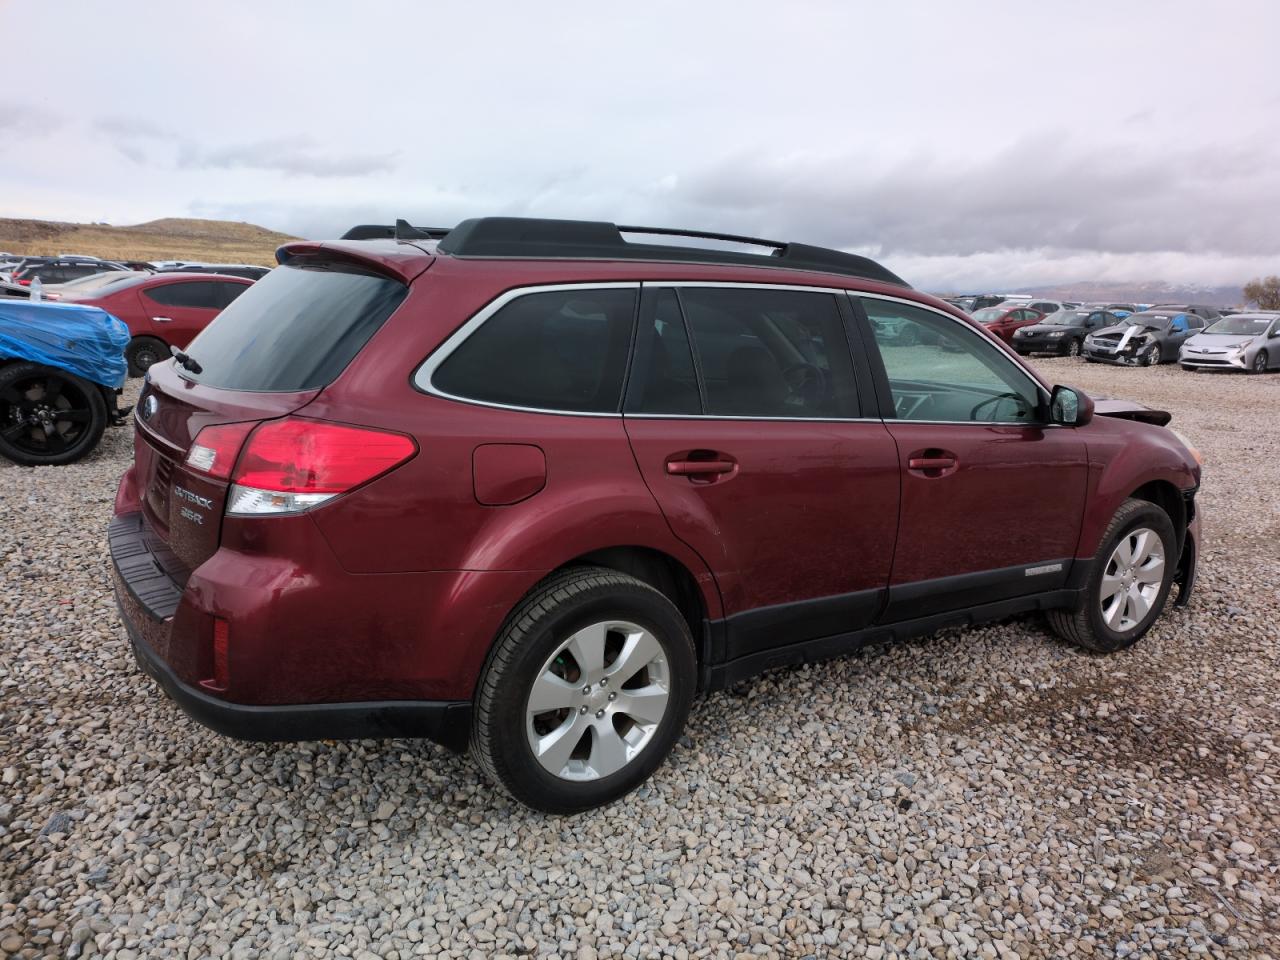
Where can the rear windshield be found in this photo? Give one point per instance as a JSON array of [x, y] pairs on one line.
[[295, 329]]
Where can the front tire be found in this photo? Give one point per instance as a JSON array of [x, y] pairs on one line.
[[1155, 357], [1073, 348], [142, 352], [48, 416], [1134, 570], [1259, 362], [585, 691]]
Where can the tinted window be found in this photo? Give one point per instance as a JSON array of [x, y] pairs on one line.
[[662, 374], [195, 294], [227, 292], [295, 329], [770, 353], [940, 370], [558, 350]]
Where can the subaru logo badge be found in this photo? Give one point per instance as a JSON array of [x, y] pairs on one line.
[[149, 406]]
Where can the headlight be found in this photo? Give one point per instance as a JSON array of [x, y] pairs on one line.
[[1056, 333], [1195, 454]]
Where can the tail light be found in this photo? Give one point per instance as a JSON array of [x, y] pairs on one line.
[[216, 448], [293, 464]]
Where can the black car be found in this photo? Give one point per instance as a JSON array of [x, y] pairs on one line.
[[246, 270], [62, 269], [1143, 339], [1062, 332]]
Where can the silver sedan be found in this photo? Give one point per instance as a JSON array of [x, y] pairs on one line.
[[1245, 341]]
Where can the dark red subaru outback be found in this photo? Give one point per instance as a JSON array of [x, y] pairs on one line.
[[527, 486]]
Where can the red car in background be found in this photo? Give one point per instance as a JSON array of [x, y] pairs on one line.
[[1002, 321], [164, 310]]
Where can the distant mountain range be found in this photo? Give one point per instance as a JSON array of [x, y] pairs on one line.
[[1148, 292]]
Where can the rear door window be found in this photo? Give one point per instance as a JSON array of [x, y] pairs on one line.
[[563, 350], [199, 295], [766, 353], [295, 329]]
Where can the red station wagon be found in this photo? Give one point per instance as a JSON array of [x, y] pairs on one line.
[[527, 486], [164, 310]]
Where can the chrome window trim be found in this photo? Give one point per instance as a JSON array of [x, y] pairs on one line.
[[426, 370], [422, 376]]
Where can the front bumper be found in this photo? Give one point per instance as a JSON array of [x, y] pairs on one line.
[[1058, 345], [1214, 361], [1128, 358]]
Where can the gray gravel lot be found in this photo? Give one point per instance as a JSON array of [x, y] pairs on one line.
[[981, 793]]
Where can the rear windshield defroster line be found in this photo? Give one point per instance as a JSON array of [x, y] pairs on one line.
[[295, 329]]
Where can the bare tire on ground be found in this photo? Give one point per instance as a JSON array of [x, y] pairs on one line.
[[1127, 589], [142, 352], [48, 416], [586, 689]]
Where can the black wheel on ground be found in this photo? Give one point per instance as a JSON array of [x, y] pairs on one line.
[[142, 352], [48, 416], [585, 690], [1259, 362], [1127, 589], [1073, 347]]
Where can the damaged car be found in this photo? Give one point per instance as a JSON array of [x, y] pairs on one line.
[[1245, 341], [1144, 339]]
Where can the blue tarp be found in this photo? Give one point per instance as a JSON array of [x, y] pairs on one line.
[[88, 341]]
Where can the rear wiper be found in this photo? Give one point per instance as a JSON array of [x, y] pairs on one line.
[[185, 361]]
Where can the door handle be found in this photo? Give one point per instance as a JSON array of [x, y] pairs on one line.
[[931, 463], [163, 319], [692, 468]]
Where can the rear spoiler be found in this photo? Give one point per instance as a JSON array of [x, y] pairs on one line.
[[400, 230], [398, 263]]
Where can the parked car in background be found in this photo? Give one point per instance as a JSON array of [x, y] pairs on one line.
[[1045, 307], [62, 270], [247, 270], [1005, 319], [1062, 332], [94, 281], [1201, 311], [479, 491], [164, 310], [61, 370], [1147, 338], [1243, 341]]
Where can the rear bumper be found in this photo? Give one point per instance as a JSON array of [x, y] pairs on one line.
[[446, 722]]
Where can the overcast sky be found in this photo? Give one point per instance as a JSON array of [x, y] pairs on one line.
[[966, 143]]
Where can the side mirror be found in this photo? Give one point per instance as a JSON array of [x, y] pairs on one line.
[[1070, 407]]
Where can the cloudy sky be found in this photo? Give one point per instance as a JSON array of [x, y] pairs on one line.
[[967, 143]]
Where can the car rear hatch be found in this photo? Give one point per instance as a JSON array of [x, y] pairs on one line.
[[265, 357]]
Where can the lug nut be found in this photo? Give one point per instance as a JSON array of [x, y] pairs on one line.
[[583, 710], [613, 696], [599, 714], [587, 688], [604, 681]]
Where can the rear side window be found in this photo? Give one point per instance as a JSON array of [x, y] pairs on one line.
[[200, 295], [552, 350], [295, 329], [770, 353], [228, 292], [663, 378]]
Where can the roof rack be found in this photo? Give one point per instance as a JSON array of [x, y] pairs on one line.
[[599, 240], [400, 230]]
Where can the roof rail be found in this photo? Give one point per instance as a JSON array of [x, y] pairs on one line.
[[599, 240], [400, 230]]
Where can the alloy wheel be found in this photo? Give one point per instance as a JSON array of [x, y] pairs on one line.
[[1132, 579], [1153, 358], [44, 414], [597, 701], [1260, 362], [1073, 348]]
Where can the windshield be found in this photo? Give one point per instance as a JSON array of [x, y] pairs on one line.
[[1067, 318], [989, 314], [1159, 321], [1240, 326]]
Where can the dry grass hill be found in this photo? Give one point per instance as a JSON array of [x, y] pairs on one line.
[[214, 241]]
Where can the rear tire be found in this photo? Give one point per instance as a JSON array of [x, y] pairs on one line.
[[48, 416], [1111, 620], [142, 352], [572, 645]]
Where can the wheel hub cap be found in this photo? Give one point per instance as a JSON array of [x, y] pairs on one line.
[[597, 701], [1132, 579]]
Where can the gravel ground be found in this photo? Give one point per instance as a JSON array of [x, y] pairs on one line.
[[981, 793]]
